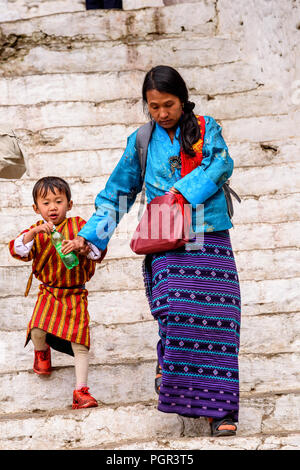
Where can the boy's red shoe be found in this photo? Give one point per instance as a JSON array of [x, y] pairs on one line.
[[83, 399], [42, 362]]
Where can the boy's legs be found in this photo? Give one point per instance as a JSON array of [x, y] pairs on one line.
[[42, 355], [42, 365], [38, 338], [81, 356], [81, 395]]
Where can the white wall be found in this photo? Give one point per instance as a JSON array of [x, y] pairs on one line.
[[70, 85]]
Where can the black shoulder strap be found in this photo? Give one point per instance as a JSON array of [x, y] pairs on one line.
[[143, 137], [142, 141], [228, 191]]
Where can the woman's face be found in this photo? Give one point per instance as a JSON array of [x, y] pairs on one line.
[[165, 108]]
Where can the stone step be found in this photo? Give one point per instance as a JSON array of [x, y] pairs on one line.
[[258, 299], [248, 154], [252, 264], [262, 128], [278, 228], [25, 8], [266, 237], [103, 161], [69, 164], [105, 425], [258, 442], [126, 274], [112, 25], [66, 115], [138, 4], [258, 206], [101, 137], [126, 383], [137, 341], [106, 308], [126, 111], [41, 56], [129, 382], [75, 114], [19, 193], [112, 343], [99, 87]]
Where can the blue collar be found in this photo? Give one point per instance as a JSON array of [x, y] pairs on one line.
[[161, 134]]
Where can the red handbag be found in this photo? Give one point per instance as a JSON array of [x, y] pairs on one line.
[[164, 226]]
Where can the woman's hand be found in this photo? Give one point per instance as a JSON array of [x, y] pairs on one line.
[[78, 244], [174, 190]]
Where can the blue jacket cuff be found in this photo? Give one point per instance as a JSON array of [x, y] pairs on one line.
[[98, 231], [196, 187]]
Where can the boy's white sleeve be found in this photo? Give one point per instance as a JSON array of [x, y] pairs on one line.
[[22, 249], [95, 253]]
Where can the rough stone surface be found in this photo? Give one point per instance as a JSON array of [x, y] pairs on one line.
[[70, 86]]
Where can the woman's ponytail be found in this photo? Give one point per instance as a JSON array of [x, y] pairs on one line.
[[189, 128]]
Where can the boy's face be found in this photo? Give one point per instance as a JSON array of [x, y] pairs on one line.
[[52, 207]]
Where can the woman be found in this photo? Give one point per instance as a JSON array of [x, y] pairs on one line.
[[193, 293]]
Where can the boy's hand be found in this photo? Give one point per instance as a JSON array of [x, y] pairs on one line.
[[47, 227]]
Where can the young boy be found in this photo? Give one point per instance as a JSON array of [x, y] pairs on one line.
[[60, 318]]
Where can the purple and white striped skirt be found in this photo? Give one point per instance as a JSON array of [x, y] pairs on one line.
[[195, 297]]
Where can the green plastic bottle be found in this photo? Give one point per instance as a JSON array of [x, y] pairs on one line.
[[70, 260]]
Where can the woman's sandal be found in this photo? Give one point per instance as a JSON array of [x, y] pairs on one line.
[[158, 378], [215, 425]]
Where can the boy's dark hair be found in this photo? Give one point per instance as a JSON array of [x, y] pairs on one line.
[[43, 185]]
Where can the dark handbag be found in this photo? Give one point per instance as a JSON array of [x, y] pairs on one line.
[[164, 226]]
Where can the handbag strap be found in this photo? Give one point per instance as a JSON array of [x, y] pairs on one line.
[[228, 191], [143, 137]]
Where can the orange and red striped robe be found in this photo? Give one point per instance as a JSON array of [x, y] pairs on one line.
[[62, 313]]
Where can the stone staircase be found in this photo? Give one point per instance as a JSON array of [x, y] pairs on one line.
[[70, 85]]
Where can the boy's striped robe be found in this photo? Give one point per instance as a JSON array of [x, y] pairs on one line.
[[61, 306]]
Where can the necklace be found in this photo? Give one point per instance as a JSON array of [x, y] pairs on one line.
[[175, 162]]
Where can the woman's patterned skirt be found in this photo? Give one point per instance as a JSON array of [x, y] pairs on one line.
[[194, 294]]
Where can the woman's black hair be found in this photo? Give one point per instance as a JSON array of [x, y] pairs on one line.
[[166, 79], [50, 183]]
